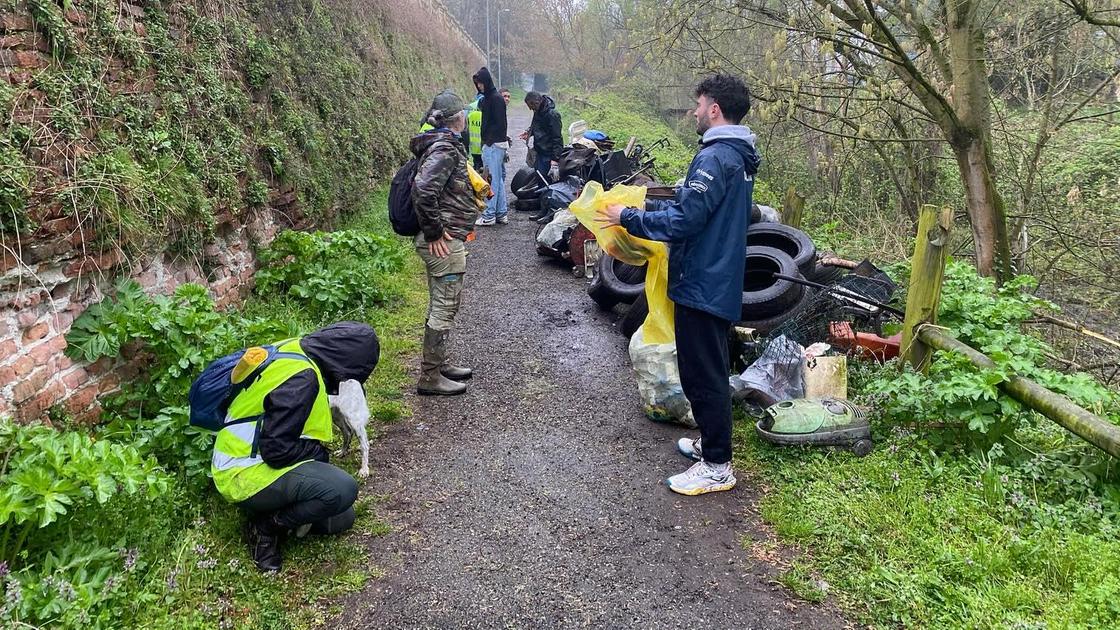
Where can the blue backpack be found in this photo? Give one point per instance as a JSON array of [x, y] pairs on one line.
[[213, 391]]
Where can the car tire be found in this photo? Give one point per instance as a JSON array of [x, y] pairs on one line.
[[521, 177], [763, 295], [603, 298], [765, 326], [625, 282], [526, 205], [635, 317], [792, 241]]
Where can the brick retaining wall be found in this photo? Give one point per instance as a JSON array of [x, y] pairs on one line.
[[49, 277]]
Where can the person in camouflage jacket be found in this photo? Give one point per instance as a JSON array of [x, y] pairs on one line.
[[444, 201], [442, 193]]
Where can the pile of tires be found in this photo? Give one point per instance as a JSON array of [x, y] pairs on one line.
[[767, 302], [527, 185], [616, 283]]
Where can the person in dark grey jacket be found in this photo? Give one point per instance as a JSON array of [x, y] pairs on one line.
[[548, 137], [707, 227]]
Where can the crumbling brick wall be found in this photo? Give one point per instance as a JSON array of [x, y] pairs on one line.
[[49, 276]]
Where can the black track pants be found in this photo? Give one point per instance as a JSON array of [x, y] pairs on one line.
[[702, 357], [313, 492]]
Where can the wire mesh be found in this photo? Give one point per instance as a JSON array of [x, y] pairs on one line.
[[850, 300]]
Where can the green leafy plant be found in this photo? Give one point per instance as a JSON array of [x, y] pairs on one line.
[[48, 475], [178, 334], [956, 393], [330, 273]]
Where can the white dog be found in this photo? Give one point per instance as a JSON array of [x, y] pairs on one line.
[[350, 415]]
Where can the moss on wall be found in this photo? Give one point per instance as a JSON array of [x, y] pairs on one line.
[[141, 127]]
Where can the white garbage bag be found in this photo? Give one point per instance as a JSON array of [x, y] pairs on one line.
[[659, 381], [556, 233], [775, 376]]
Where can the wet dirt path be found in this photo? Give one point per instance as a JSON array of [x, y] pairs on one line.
[[535, 500]]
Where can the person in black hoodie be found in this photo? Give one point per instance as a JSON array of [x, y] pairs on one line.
[[495, 145], [311, 496], [548, 138]]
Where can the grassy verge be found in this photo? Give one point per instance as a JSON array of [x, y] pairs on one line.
[[909, 537]]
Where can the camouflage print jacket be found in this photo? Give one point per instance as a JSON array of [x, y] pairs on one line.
[[442, 193]]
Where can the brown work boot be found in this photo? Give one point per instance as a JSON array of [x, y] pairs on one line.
[[432, 381]]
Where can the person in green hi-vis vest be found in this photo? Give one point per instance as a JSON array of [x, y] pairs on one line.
[[474, 128], [271, 459]]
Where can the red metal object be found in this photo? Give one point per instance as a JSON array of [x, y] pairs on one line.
[[575, 247], [861, 344]]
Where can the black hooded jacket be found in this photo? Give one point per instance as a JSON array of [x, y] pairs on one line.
[[493, 108], [342, 351], [548, 137]]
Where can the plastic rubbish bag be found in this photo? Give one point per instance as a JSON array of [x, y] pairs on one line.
[[617, 242], [659, 381], [481, 188], [775, 376], [555, 235]]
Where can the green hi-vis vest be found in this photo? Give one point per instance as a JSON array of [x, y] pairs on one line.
[[426, 127], [474, 122], [237, 467]]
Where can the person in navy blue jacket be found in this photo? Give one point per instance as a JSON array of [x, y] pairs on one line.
[[706, 227]]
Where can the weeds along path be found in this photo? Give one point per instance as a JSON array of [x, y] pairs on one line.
[[535, 500]]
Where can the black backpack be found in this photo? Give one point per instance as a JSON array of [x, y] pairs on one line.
[[402, 214]]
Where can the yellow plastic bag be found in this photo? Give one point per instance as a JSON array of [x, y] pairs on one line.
[[619, 243], [481, 187]]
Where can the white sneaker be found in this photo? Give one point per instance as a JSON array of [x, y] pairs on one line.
[[503, 220], [703, 478], [690, 448], [485, 221]]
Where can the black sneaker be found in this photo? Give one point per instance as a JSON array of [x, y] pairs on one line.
[[264, 546]]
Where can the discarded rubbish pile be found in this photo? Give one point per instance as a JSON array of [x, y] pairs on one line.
[[803, 313], [589, 157], [795, 379]]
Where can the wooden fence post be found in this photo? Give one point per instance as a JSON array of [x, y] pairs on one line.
[[793, 205], [927, 269]]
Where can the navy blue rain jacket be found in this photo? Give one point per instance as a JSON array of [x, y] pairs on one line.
[[706, 225]]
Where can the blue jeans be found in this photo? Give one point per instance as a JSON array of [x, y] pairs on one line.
[[494, 159], [544, 165]]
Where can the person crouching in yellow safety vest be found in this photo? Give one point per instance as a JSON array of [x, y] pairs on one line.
[[271, 458]]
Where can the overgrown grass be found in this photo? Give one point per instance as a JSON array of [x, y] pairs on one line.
[[909, 537], [973, 511]]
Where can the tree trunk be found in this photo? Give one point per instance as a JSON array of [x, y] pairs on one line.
[[970, 136], [985, 208]]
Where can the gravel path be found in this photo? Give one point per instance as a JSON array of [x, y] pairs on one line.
[[535, 500]]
